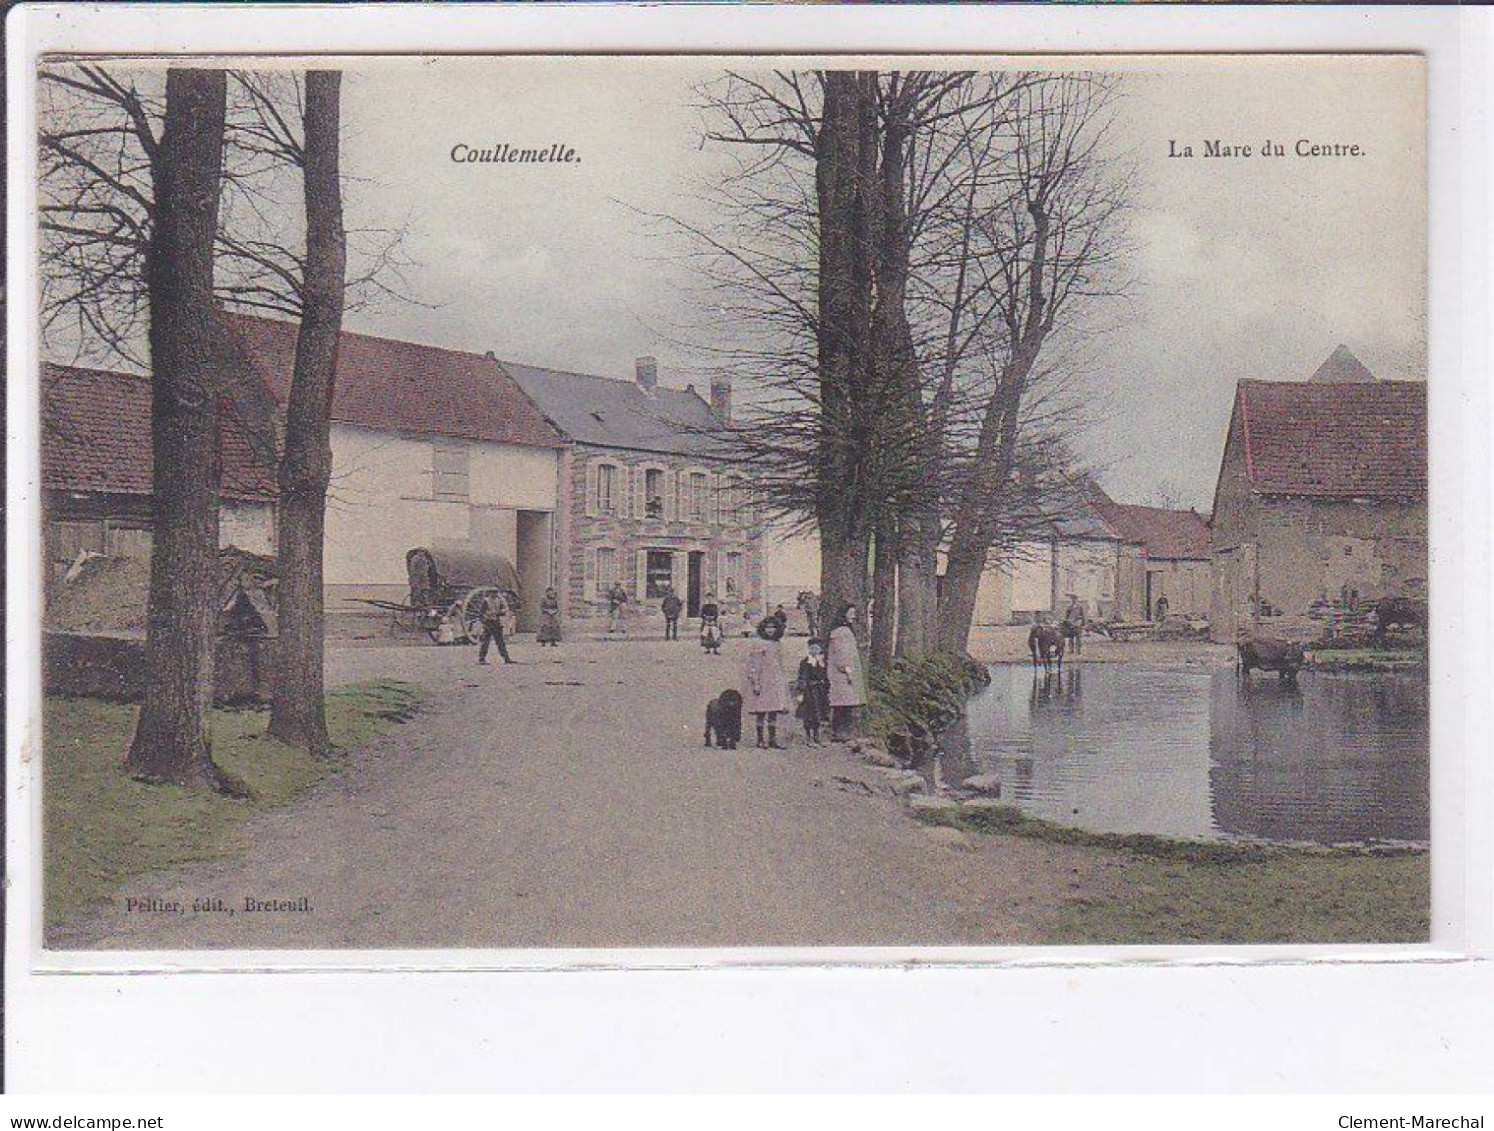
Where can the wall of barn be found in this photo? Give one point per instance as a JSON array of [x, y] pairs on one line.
[[384, 501], [1187, 585], [1321, 559]]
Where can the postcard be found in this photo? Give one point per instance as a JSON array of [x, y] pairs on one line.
[[540, 503]]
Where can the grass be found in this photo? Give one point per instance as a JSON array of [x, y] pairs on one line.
[[1178, 891], [1367, 659], [102, 828]]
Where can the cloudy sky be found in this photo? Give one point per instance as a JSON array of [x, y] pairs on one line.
[[1247, 267]]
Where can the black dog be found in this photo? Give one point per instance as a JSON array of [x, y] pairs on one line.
[[724, 718]]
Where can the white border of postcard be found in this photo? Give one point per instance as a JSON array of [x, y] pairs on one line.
[[373, 1013]]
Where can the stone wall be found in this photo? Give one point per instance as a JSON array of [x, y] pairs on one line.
[[113, 667]]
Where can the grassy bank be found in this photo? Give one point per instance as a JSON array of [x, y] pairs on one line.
[[1173, 891], [918, 698], [101, 828], [1365, 659]]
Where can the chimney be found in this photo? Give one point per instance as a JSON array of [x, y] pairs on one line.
[[721, 401], [647, 369]]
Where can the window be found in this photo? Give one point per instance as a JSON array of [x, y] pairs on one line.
[[606, 568], [728, 500], [659, 573], [733, 581], [450, 465], [606, 488], [653, 493], [697, 497]]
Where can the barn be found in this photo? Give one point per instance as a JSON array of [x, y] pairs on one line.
[[1321, 503]]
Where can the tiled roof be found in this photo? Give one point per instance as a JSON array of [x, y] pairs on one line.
[[396, 386], [617, 413], [96, 437], [1335, 439], [1164, 533]]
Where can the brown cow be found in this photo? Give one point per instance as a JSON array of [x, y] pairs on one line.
[[1045, 642], [1271, 655]]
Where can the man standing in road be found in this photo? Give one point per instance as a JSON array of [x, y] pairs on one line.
[[671, 606], [493, 609]]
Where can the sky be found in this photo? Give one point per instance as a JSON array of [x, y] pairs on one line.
[[1240, 267]]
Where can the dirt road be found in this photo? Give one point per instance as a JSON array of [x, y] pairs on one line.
[[567, 801]]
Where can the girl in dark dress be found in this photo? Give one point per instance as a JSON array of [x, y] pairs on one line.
[[812, 689]]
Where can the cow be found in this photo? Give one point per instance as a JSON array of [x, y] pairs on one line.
[[1271, 655], [1402, 612]]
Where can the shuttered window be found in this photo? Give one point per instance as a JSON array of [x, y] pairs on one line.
[[606, 568], [606, 488], [451, 464]]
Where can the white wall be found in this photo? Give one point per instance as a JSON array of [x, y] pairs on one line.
[[249, 526], [381, 505]]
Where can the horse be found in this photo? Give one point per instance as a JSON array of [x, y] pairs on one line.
[[1045, 642]]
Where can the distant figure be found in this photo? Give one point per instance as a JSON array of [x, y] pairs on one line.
[[1073, 624], [671, 606], [847, 685], [812, 689], [617, 608], [811, 606], [549, 629], [782, 618], [710, 625], [1159, 610], [766, 695], [494, 610]]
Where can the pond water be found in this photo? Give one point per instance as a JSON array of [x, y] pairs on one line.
[[1126, 749]]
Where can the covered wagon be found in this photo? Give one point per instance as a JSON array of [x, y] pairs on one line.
[[447, 587]]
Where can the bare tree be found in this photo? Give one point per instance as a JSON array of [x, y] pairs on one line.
[[297, 706], [1054, 246], [171, 741], [101, 131]]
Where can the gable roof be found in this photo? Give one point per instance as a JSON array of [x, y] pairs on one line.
[[1164, 533], [96, 436], [619, 414], [1333, 439], [395, 386]]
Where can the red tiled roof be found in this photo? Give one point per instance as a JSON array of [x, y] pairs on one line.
[[1164, 533], [396, 386], [96, 437], [1335, 440]]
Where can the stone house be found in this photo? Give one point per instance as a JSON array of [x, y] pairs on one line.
[[1321, 503], [652, 495]]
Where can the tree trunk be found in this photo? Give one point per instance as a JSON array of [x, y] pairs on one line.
[[962, 576], [885, 598], [917, 586], [171, 740], [297, 707], [844, 484]]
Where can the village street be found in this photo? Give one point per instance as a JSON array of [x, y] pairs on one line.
[[568, 801]]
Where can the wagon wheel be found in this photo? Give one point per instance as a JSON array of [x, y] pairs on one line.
[[467, 614]]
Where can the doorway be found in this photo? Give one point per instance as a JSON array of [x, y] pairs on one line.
[[695, 580]]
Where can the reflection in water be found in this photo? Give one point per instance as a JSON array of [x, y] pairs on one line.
[[1118, 748]]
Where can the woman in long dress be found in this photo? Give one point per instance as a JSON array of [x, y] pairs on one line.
[[549, 629], [767, 691], [847, 683]]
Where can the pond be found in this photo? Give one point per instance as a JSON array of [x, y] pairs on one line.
[[1195, 753]]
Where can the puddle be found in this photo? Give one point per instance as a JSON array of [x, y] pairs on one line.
[[1340, 757]]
